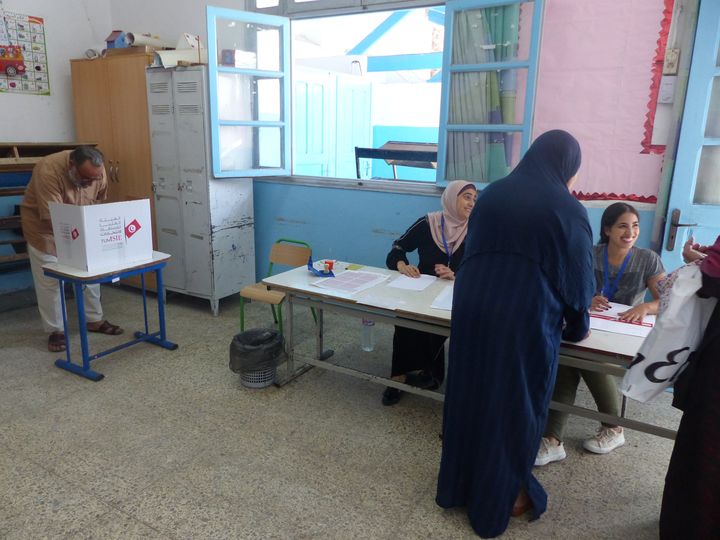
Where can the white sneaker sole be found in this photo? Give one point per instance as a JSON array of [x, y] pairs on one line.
[[602, 451], [550, 459]]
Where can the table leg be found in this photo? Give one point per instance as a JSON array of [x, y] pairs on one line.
[[289, 336], [85, 370], [144, 297], [63, 308], [319, 338], [159, 338]]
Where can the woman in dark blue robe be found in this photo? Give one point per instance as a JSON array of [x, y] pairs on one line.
[[527, 272]]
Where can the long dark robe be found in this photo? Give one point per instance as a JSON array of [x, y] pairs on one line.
[[527, 265], [691, 500]]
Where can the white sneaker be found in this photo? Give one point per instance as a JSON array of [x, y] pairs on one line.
[[548, 452], [606, 440]]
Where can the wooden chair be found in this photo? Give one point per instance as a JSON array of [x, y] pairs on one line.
[[285, 252]]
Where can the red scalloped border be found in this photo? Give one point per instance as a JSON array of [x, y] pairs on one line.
[[657, 67], [579, 195]]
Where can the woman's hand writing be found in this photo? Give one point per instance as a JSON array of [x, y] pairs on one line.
[[408, 269], [599, 303], [443, 272]]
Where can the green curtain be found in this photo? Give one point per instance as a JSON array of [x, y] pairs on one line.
[[483, 97]]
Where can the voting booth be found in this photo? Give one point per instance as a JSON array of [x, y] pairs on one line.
[[102, 236]]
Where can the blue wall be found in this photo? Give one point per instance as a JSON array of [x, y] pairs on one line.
[[348, 224], [353, 224]]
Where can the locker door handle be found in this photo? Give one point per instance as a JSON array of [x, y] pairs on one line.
[[117, 171]]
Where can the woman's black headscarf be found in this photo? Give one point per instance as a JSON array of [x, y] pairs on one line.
[[530, 212]]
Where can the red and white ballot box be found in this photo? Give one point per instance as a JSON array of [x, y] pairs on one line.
[[102, 236]]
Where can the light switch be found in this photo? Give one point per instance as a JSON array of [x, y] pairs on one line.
[[666, 93]]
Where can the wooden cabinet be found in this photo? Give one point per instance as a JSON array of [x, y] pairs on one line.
[[110, 105]]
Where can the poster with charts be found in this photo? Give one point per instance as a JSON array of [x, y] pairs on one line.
[[22, 42]]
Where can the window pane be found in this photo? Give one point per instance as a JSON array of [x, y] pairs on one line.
[[707, 188], [481, 157], [270, 144], [237, 143], [355, 86], [248, 45], [712, 126], [493, 34], [488, 97], [244, 97]]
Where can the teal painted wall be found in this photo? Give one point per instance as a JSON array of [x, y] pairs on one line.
[[353, 224], [347, 224]]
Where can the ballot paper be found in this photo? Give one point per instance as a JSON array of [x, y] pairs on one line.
[[381, 301], [610, 322], [444, 299], [412, 284], [351, 281]]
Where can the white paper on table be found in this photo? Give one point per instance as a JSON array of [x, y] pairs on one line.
[[381, 302], [444, 299], [412, 284], [351, 281], [609, 321]]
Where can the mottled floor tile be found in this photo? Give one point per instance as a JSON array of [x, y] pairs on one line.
[[171, 445]]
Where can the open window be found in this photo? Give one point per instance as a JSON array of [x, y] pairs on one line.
[[424, 93], [249, 93], [489, 75]]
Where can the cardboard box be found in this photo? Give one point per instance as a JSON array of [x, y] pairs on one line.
[[102, 236]]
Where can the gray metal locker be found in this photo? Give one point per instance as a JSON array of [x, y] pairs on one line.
[[207, 225]]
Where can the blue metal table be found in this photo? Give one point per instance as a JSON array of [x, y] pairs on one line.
[[78, 278]]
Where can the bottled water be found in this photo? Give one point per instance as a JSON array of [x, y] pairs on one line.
[[367, 338]]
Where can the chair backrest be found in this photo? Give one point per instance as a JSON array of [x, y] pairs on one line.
[[289, 253]]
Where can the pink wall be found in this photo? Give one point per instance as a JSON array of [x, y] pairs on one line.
[[594, 81]]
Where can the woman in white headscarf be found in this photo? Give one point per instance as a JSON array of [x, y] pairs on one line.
[[418, 357]]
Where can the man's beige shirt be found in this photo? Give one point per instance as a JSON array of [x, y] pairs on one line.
[[50, 182]]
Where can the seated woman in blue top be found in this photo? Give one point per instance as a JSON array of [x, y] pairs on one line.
[[419, 357], [623, 273]]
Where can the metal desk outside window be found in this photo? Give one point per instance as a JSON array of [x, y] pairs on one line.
[[403, 154]]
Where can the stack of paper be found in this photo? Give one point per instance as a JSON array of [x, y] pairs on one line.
[[610, 321]]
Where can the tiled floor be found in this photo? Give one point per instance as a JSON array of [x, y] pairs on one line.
[[171, 445]]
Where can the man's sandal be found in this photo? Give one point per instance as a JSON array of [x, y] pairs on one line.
[[56, 342], [105, 328]]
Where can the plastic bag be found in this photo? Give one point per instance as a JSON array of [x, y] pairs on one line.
[[256, 350], [676, 335]]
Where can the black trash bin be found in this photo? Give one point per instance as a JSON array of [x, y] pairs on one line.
[[255, 355]]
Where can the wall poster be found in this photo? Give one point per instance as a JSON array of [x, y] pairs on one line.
[[23, 54]]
